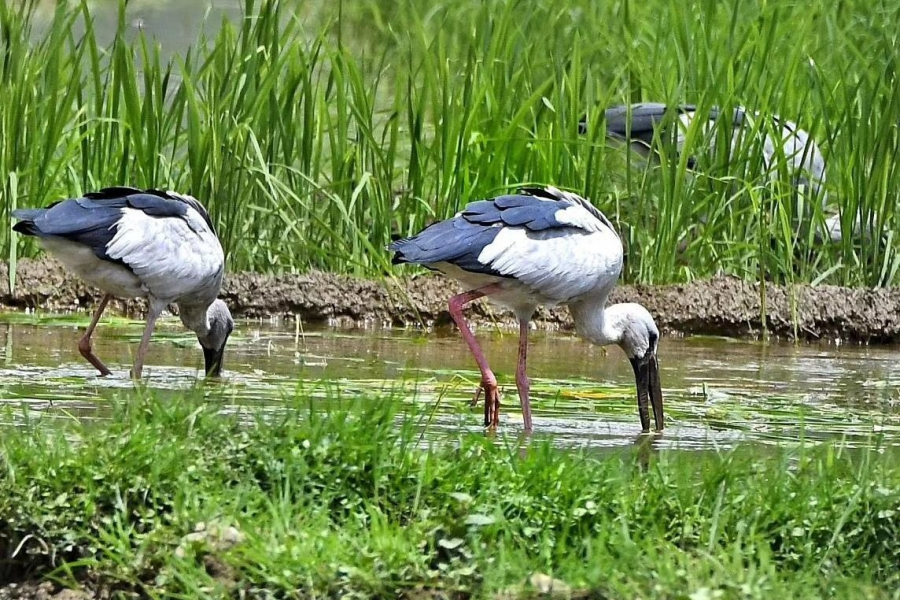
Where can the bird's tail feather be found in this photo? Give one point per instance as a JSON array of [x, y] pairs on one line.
[[28, 214], [26, 217], [396, 246]]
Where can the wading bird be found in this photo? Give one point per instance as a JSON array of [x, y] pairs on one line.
[[540, 246], [135, 243], [638, 125]]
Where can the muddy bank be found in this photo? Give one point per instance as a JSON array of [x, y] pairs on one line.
[[46, 590], [721, 306]]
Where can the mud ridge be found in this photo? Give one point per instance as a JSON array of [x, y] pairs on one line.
[[720, 306], [46, 590]]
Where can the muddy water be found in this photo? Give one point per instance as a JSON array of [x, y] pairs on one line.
[[718, 392]]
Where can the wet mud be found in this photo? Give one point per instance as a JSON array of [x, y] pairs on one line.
[[720, 306], [46, 590]]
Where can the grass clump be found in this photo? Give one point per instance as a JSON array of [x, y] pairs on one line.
[[349, 503]]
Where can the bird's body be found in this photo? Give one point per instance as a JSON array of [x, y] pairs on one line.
[[781, 142], [538, 250], [537, 247], [141, 244], [639, 125]]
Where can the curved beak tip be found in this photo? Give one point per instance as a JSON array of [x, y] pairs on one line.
[[656, 399], [213, 361]]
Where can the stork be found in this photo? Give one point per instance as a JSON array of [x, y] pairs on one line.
[[637, 125], [540, 246], [135, 243]]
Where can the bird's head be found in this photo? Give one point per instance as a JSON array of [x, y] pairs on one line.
[[640, 341], [220, 326]]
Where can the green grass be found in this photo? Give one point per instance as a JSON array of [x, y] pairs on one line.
[[348, 502], [313, 131]]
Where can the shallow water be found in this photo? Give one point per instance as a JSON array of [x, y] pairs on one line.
[[179, 25], [175, 24], [717, 392]]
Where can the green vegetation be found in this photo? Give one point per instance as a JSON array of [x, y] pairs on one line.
[[314, 132], [345, 502]]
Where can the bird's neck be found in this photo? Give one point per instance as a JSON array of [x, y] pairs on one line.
[[593, 322], [195, 318]]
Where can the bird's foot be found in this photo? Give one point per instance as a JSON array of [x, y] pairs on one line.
[[84, 347], [491, 404]]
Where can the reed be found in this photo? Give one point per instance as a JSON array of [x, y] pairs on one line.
[[315, 132]]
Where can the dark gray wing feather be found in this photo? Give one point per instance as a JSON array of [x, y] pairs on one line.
[[91, 226], [567, 200], [644, 119], [517, 210], [189, 201], [484, 212], [173, 205], [455, 241]]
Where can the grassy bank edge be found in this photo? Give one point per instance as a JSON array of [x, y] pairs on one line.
[[348, 502]]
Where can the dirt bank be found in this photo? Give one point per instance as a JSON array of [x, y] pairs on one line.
[[46, 590], [723, 306]]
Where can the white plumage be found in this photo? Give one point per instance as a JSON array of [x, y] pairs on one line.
[[171, 258], [548, 268]]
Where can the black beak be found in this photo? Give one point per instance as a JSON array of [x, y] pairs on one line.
[[213, 360], [646, 377]]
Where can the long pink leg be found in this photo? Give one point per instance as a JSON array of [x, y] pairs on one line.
[[152, 315], [84, 344], [488, 381], [522, 382]]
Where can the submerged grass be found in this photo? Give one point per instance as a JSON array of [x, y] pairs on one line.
[[315, 131], [349, 503]]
